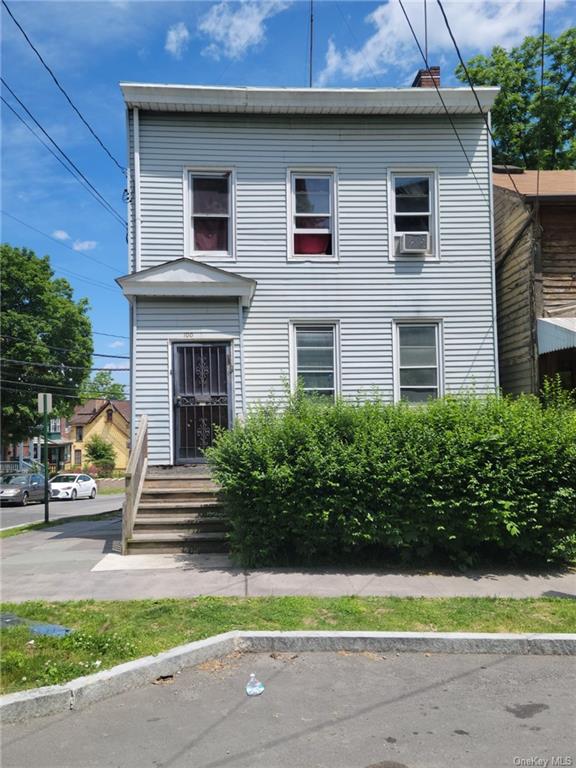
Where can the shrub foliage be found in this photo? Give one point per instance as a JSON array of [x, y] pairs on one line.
[[465, 480]]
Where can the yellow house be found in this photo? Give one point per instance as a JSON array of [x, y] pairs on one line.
[[110, 419]]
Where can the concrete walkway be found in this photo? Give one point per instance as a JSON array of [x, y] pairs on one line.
[[81, 560]]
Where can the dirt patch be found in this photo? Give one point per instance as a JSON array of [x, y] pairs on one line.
[[219, 665]]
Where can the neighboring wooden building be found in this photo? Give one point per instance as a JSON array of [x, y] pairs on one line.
[[109, 419], [535, 245], [336, 237]]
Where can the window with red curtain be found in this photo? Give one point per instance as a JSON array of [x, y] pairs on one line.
[[210, 208], [313, 214]]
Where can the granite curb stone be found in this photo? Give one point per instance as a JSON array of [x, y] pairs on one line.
[[83, 691]]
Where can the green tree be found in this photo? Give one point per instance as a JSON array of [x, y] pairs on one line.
[[517, 111], [103, 385], [46, 328], [101, 452]]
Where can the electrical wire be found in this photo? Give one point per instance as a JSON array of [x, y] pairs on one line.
[[112, 335], [80, 396], [448, 115], [105, 204], [56, 365], [36, 383], [539, 152], [59, 148], [61, 349], [63, 91], [471, 84], [355, 38], [45, 234]]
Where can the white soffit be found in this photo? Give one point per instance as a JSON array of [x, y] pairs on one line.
[[317, 101], [556, 333], [188, 278]]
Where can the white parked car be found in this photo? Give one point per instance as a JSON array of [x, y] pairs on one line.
[[72, 487]]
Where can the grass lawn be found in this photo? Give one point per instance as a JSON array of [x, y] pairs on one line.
[[111, 632]]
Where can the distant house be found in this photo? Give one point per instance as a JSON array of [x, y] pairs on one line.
[[535, 246], [109, 419]]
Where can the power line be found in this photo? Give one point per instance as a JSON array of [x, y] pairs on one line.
[[471, 84], [45, 234], [61, 88], [104, 204], [50, 388], [539, 154], [59, 148], [311, 53], [61, 349], [355, 38], [112, 335], [57, 365], [448, 115], [68, 387]]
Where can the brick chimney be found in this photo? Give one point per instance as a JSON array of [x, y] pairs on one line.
[[426, 78]]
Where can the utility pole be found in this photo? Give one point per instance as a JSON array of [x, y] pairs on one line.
[[311, 56], [44, 407]]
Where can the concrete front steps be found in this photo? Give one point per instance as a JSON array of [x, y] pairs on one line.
[[179, 511]]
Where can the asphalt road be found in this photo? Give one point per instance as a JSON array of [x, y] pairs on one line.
[[10, 516], [322, 710]]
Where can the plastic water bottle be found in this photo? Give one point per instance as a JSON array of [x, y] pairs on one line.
[[254, 687]]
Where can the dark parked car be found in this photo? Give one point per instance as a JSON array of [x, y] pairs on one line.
[[21, 489]]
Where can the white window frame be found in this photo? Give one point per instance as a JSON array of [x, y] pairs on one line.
[[319, 173], [319, 323], [433, 186], [439, 327], [215, 171]]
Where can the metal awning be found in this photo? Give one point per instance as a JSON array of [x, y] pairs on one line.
[[556, 333]]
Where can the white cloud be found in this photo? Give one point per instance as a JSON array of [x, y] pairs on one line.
[[84, 245], [235, 29], [60, 234], [177, 39], [478, 25], [116, 344]]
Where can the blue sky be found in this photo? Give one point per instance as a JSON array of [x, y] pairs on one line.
[[92, 46]]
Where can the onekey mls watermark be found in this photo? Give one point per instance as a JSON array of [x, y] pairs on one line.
[[561, 761]]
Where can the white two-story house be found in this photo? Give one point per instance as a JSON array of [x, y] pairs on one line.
[[340, 237]]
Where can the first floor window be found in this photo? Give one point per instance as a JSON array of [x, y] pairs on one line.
[[77, 457], [315, 359], [418, 369], [312, 214], [210, 210]]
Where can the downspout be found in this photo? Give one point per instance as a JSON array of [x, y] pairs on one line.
[[137, 210], [241, 349], [492, 258]]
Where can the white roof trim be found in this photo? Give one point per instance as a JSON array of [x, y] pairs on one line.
[[556, 333], [305, 101], [186, 277]]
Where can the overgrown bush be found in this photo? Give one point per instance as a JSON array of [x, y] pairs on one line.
[[465, 480], [101, 452]]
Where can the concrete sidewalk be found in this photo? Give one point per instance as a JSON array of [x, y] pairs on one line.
[[81, 560]]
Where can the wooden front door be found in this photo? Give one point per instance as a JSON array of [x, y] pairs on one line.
[[202, 399]]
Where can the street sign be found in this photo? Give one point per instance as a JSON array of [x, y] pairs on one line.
[[44, 398]]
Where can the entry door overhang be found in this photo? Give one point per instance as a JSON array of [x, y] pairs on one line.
[[186, 277]]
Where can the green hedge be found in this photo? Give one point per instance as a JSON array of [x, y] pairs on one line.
[[462, 480]]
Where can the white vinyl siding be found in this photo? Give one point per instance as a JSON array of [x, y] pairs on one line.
[[365, 289]]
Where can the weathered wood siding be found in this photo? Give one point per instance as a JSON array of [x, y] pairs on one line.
[[363, 290], [558, 259], [514, 293]]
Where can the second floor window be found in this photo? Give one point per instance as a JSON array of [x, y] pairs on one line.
[[210, 213], [312, 214], [413, 214], [79, 434], [54, 425]]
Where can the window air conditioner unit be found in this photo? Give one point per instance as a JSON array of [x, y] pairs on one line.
[[415, 243]]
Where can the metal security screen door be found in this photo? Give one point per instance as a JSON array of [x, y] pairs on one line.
[[201, 397]]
